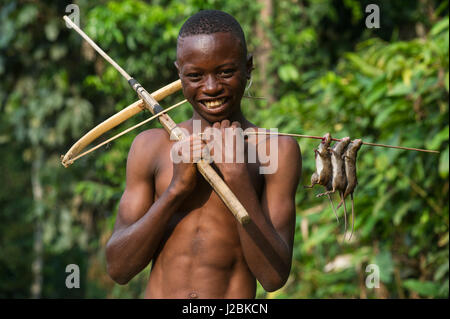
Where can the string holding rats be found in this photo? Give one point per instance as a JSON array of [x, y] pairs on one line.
[[338, 140]]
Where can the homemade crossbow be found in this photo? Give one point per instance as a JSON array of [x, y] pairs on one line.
[[150, 102]]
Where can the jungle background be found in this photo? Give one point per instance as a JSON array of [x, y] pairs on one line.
[[319, 68]]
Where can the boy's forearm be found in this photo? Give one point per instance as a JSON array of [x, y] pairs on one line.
[[131, 248], [267, 255]]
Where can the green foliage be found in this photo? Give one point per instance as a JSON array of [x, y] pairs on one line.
[[391, 93], [327, 73]]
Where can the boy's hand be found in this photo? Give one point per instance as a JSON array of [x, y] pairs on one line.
[[227, 148], [184, 155]]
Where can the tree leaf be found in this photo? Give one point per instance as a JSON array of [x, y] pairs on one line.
[[288, 73], [423, 288], [438, 139], [443, 164], [439, 26]]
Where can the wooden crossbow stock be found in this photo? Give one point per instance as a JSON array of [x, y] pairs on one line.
[[150, 102]]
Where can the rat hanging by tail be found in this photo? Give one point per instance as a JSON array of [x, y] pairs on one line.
[[350, 173], [324, 170]]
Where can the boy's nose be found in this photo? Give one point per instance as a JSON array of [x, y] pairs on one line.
[[212, 86]]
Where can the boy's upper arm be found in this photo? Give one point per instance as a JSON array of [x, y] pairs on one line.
[[278, 200], [139, 190]]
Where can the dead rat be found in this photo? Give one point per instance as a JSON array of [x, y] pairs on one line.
[[350, 173], [339, 180], [324, 170]]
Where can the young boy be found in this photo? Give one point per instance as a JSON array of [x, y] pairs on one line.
[[170, 215]]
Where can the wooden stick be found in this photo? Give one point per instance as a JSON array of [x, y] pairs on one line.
[[97, 48], [128, 130], [335, 139]]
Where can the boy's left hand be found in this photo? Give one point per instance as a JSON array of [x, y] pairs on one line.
[[228, 148]]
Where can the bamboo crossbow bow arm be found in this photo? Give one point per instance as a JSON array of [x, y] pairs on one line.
[[115, 120], [150, 102]]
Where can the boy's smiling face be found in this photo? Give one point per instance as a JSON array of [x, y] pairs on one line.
[[214, 70]]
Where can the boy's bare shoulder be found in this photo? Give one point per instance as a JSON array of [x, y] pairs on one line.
[[286, 144], [150, 139], [289, 144], [146, 148], [289, 153]]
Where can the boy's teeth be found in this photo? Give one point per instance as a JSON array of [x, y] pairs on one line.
[[213, 104]]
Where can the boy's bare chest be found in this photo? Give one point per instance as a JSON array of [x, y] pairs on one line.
[[203, 193]]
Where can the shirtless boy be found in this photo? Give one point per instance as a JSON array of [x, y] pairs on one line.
[[170, 216]]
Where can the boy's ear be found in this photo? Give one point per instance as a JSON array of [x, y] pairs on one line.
[[249, 65], [176, 65]]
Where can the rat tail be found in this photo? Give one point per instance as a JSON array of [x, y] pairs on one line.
[[353, 216], [344, 197], [334, 209], [345, 212]]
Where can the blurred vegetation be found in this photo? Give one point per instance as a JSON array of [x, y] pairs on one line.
[[326, 72]]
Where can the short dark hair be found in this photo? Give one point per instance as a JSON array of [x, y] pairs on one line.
[[213, 21]]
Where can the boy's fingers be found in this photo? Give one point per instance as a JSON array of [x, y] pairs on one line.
[[195, 137], [211, 131], [236, 124], [206, 154], [224, 124]]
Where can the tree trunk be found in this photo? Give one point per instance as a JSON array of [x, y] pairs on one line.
[[264, 49], [38, 246]]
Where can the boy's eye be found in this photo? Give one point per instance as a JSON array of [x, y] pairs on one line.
[[226, 73], [193, 75]]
